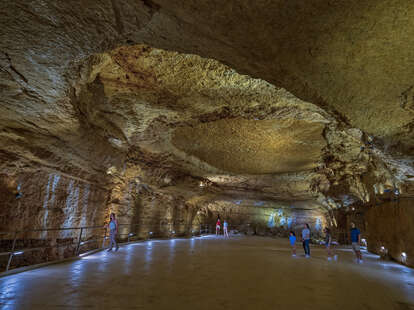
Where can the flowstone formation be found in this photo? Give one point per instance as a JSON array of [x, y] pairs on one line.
[[187, 126], [158, 109], [242, 136]]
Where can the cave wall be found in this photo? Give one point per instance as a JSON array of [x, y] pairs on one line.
[[391, 225], [341, 220], [153, 214], [50, 199], [263, 218]]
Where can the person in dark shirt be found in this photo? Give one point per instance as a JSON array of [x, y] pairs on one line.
[[355, 241]]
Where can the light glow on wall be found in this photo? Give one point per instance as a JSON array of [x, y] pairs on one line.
[[318, 224], [271, 220]]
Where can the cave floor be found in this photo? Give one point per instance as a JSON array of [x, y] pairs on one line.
[[212, 273]]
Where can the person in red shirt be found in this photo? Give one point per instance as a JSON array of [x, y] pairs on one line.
[[218, 227]]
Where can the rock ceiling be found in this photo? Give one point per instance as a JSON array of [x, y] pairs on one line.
[[112, 89]]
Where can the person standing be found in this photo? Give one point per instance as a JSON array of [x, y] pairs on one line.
[[356, 241], [218, 226], [328, 242], [225, 229], [113, 231], [292, 240], [306, 240]]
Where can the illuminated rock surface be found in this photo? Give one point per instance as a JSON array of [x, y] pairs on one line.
[[159, 109]]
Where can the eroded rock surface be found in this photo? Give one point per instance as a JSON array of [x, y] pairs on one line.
[[148, 103]]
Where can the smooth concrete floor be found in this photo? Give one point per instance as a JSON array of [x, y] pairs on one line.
[[212, 273]]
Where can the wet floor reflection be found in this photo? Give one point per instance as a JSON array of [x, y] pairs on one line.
[[148, 255], [171, 254], [77, 273], [10, 289], [181, 273]]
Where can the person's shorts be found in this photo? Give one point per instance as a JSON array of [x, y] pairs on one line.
[[355, 246], [218, 227]]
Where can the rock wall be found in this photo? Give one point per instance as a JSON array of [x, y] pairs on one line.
[[44, 199], [263, 218], [391, 225], [49, 199]]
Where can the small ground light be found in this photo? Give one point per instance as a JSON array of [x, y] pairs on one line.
[[150, 232], [130, 234], [82, 243], [382, 248], [403, 257]]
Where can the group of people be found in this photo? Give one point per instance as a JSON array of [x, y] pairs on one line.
[[225, 228], [330, 247], [355, 235], [113, 231]]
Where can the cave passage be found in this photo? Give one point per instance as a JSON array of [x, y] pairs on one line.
[[212, 272], [167, 116]]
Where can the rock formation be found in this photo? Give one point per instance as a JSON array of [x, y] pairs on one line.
[[172, 112]]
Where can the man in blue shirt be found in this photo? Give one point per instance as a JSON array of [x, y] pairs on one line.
[[355, 241]]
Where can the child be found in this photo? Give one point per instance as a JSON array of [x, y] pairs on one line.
[[292, 240], [225, 232]]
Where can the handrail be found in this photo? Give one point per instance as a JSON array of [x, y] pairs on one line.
[[95, 240], [76, 243]]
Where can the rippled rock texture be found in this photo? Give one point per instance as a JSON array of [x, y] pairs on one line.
[[164, 107]]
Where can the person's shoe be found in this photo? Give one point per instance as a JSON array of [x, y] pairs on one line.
[[109, 250], [117, 248], [307, 256], [329, 258], [293, 255], [360, 261]]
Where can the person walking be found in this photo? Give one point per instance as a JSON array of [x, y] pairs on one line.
[[292, 240], [225, 229], [218, 226], [356, 241], [113, 231], [306, 240]]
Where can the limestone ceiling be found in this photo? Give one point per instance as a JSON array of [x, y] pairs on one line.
[[354, 57], [254, 147], [204, 119], [68, 105]]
